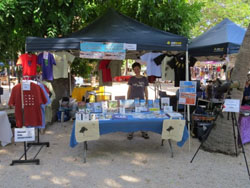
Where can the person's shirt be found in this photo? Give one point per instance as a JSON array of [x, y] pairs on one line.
[[137, 87], [246, 94]]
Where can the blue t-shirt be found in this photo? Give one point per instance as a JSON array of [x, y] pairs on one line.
[[47, 65]]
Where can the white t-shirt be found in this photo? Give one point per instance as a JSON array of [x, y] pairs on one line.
[[166, 72], [62, 64], [152, 68]]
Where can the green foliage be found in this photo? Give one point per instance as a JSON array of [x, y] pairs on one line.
[[215, 11], [83, 67], [46, 18]]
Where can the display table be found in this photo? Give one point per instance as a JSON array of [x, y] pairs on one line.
[[130, 125], [5, 129], [79, 92]]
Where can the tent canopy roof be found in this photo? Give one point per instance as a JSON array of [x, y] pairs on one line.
[[224, 38], [113, 27]]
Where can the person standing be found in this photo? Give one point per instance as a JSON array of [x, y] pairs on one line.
[[137, 90]]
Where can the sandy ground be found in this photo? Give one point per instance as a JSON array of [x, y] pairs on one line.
[[113, 161]]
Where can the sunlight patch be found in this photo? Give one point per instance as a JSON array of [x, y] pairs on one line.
[[46, 173], [59, 181], [77, 173], [35, 177], [112, 183], [130, 179]]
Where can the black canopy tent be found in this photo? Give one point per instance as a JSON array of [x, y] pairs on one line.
[[224, 38], [117, 28], [113, 27]]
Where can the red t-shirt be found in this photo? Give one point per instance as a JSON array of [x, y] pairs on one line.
[[106, 74], [32, 105], [29, 63]]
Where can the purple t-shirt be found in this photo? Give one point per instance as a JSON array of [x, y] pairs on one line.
[[47, 65], [137, 87]]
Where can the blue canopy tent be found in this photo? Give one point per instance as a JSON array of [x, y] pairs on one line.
[[224, 38]]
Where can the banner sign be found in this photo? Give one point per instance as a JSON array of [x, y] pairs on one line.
[[173, 129], [188, 86], [102, 50], [24, 134], [187, 98], [231, 105], [87, 130]]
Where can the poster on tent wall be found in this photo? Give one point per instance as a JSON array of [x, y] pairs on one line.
[[102, 50]]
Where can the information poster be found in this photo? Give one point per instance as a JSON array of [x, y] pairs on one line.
[[173, 129], [102, 50], [231, 105], [187, 98], [87, 130], [187, 86], [24, 134]]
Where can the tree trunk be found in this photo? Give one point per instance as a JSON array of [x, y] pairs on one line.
[[221, 138]]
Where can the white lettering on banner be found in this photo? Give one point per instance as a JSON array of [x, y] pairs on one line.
[[24, 134]]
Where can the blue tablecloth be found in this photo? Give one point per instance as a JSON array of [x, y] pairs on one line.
[[130, 125]]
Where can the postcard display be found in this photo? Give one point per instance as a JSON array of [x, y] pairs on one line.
[[30, 97], [87, 126]]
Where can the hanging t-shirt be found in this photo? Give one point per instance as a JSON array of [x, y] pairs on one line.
[[137, 87], [32, 99], [152, 68], [167, 73], [106, 73], [115, 68], [46, 60], [62, 60], [101, 83], [29, 64]]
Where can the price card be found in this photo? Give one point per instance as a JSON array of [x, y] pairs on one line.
[[45, 55], [26, 86]]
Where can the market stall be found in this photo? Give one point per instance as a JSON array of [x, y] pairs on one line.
[[117, 37]]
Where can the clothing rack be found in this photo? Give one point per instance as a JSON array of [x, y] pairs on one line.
[[27, 146]]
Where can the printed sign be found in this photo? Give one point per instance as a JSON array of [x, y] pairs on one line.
[[130, 46], [24, 134], [187, 98], [187, 86], [87, 130], [102, 50], [231, 105], [173, 129]]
